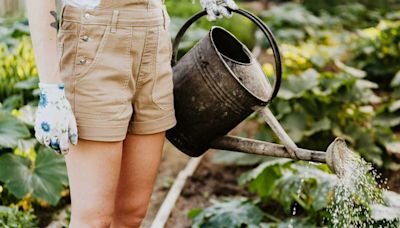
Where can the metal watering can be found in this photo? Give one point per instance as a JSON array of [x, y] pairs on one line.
[[218, 84]]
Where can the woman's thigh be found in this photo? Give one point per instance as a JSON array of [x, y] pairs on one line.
[[139, 167], [93, 170]]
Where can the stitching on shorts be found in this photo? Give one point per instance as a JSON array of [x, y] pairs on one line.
[[130, 75], [102, 44], [155, 59], [156, 71], [79, 27], [141, 59]]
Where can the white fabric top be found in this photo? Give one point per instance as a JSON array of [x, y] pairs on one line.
[[86, 4]]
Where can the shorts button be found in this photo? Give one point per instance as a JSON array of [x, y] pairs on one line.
[[82, 61], [85, 38]]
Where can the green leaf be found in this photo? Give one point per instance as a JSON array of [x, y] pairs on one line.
[[295, 124], [350, 70], [235, 158], [394, 106], [27, 114], [387, 120], [45, 177], [321, 125], [194, 212], [30, 83], [393, 147], [296, 86], [396, 80], [232, 213], [254, 173], [11, 130], [26, 144]]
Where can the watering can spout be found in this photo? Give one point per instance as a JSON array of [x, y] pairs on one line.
[[335, 156]]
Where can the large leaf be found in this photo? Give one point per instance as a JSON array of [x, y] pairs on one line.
[[234, 213], [305, 184], [263, 179], [254, 173], [396, 80], [45, 177], [296, 86], [11, 130]]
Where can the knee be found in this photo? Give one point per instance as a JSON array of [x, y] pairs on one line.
[[91, 217], [130, 215]]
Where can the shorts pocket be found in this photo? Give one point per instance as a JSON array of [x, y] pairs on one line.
[[102, 87], [91, 41], [162, 92]]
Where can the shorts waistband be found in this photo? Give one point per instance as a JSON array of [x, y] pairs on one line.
[[109, 16]]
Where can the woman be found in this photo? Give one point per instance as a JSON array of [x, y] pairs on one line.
[[106, 100]]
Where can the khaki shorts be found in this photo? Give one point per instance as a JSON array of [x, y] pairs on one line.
[[115, 64]]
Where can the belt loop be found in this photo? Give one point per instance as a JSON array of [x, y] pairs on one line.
[[61, 15], [114, 21]]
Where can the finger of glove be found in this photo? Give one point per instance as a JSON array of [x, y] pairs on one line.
[[55, 143], [64, 144], [224, 11], [210, 14], [46, 140], [231, 4], [73, 131]]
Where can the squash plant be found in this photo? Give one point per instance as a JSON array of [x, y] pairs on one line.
[[28, 170]]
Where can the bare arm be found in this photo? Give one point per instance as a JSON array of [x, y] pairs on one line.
[[44, 39]]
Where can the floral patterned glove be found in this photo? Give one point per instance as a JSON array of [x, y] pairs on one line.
[[55, 123], [218, 8]]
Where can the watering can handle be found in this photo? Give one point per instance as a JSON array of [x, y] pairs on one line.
[[264, 28]]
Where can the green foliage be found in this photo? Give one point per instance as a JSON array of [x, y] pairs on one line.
[[44, 177], [345, 103], [12, 30], [289, 184], [291, 21], [230, 213], [12, 130], [17, 64], [377, 51], [241, 27], [13, 218]]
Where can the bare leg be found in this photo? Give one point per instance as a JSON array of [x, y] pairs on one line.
[[93, 170], [140, 162]]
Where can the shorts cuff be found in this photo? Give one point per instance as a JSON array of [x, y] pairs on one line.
[[104, 134], [153, 126]]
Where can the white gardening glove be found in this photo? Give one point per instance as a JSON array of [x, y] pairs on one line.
[[218, 8], [55, 122]]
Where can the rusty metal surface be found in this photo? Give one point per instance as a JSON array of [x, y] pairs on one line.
[[209, 100], [252, 146]]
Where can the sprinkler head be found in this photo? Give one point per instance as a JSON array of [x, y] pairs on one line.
[[337, 156]]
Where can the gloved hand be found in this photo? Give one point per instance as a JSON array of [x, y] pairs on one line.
[[55, 122], [218, 8]]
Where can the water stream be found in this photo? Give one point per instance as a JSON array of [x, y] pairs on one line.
[[356, 190]]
